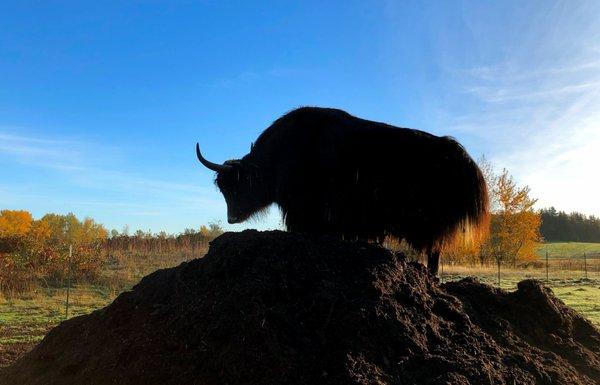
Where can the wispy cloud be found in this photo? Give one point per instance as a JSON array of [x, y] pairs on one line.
[[542, 121], [96, 182], [523, 93], [58, 154]]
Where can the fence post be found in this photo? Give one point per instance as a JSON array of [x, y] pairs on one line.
[[498, 272], [547, 267], [585, 264], [68, 281]]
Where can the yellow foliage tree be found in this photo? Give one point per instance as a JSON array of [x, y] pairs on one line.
[[15, 223], [38, 250], [14, 229], [515, 225], [40, 231]]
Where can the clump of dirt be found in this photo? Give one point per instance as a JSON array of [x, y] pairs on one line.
[[282, 308]]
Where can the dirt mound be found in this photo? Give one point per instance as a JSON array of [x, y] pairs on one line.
[[281, 308]]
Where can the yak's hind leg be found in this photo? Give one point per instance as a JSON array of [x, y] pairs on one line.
[[433, 261]]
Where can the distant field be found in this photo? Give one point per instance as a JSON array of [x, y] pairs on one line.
[[568, 249]]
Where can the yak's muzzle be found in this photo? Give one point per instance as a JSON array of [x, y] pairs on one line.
[[232, 219]]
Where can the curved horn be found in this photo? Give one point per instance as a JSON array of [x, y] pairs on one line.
[[211, 165]]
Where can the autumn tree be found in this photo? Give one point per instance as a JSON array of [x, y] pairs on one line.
[[514, 229], [37, 250], [14, 223], [514, 226], [86, 239], [14, 227], [213, 230]]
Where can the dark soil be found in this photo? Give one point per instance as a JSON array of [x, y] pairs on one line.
[[282, 308]]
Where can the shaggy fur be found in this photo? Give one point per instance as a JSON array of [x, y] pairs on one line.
[[333, 173]]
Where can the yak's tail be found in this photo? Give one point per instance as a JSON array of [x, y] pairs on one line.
[[470, 219]]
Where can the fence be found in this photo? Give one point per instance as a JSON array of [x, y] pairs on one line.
[[549, 269]]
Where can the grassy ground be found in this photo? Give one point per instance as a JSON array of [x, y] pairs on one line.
[[567, 249], [584, 299], [25, 319], [571, 287]]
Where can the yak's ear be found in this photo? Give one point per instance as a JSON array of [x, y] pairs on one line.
[[251, 146]]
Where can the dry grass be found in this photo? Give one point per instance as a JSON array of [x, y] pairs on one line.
[[124, 269], [560, 272]]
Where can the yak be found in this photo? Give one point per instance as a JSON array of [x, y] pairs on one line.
[[336, 174]]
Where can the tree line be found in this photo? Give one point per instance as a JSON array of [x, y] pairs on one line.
[[189, 241], [558, 226], [36, 251]]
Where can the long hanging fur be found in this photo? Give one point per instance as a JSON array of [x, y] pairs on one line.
[[474, 226], [333, 173]]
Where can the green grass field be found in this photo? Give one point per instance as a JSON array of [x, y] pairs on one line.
[[567, 249], [25, 319], [584, 299]]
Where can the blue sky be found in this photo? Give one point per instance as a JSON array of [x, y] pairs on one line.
[[101, 103]]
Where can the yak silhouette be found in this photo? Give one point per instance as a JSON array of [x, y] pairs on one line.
[[333, 173]]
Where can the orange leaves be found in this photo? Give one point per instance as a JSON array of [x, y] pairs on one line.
[[40, 231], [14, 223], [510, 198], [514, 227], [37, 249], [52, 229]]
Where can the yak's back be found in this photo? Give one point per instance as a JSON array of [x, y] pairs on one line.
[[335, 130]]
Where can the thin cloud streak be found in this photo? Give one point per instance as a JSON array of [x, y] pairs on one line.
[[58, 154], [61, 154], [129, 194], [496, 95], [545, 127]]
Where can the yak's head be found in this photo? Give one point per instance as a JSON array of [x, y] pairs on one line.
[[242, 185]]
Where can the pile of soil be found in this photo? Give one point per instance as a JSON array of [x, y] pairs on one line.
[[282, 308]]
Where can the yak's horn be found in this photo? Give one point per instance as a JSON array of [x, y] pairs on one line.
[[211, 165]]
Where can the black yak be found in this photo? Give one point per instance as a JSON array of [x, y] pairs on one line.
[[333, 173]]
